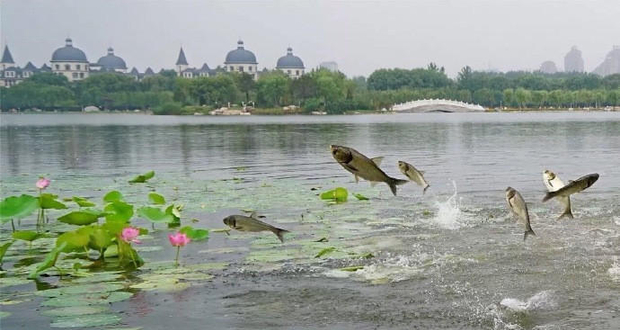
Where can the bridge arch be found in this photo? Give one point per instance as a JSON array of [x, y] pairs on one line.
[[436, 105]]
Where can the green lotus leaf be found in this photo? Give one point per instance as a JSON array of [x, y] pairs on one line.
[[15, 207], [118, 211], [88, 299], [81, 217], [360, 197], [49, 201], [86, 321], [143, 177], [113, 196], [3, 248], [155, 214], [325, 251], [50, 261], [81, 289], [26, 235], [339, 194], [156, 199], [195, 234], [83, 202], [75, 311], [100, 239]]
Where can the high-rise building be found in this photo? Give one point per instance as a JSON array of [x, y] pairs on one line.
[[611, 64], [573, 62]]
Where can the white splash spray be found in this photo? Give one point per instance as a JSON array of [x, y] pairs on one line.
[[449, 212]]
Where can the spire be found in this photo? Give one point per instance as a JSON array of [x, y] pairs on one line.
[[181, 60], [68, 42], [6, 56], [110, 51], [240, 44], [289, 51]]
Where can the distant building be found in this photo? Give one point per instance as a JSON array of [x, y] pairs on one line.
[[183, 69], [11, 74], [110, 63], [241, 60], [548, 67], [331, 66], [611, 64], [70, 62], [290, 64], [573, 62]]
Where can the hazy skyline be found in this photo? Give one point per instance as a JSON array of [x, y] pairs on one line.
[[359, 36]]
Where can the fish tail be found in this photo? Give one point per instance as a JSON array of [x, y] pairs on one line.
[[395, 182], [528, 232], [548, 196], [424, 191], [567, 213], [280, 233]]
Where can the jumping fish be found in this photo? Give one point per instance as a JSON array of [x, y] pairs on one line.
[[553, 183], [252, 224], [519, 207], [413, 174], [363, 167], [573, 187]]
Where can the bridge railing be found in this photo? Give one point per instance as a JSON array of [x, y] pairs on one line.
[[435, 102]]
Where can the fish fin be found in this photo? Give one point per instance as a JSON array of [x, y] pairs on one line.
[[528, 233], [357, 178], [421, 172], [395, 182], [373, 183], [548, 196], [254, 215], [424, 191], [280, 233], [377, 160]]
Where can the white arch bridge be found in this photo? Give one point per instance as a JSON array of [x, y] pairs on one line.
[[439, 105]]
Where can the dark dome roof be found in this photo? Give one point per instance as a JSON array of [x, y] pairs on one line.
[[240, 56], [68, 53], [290, 61], [111, 61]]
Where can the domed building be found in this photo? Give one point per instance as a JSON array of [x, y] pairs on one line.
[[70, 62], [241, 60], [112, 63], [290, 64]]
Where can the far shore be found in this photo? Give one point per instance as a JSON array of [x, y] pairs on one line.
[[281, 112]]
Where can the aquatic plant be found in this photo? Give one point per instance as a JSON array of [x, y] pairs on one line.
[[178, 240]]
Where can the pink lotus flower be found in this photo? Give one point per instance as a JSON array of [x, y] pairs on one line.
[[129, 235], [178, 239], [42, 183]]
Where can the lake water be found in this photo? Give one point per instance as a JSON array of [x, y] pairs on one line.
[[452, 258]]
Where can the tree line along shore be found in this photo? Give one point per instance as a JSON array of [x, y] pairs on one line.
[[319, 90]]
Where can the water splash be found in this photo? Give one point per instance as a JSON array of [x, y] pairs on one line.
[[449, 213], [540, 301]]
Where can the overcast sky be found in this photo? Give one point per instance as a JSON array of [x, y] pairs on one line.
[[360, 36]]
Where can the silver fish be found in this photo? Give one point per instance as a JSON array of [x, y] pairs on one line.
[[413, 174], [573, 187], [252, 224], [553, 183], [519, 207], [363, 167]]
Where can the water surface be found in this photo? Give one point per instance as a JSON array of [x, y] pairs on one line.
[[453, 258]]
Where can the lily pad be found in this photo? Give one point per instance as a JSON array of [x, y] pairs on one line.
[[3, 248], [14, 207], [26, 235], [75, 311], [325, 251], [118, 211], [143, 177], [81, 289], [195, 234], [12, 281], [49, 261], [102, 298], [81, 218], [360, 197], [113, 196], [86, 321], [156, 199], [352, 268], [155, 214], [49, 201], [339, 194], [83, 202]]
